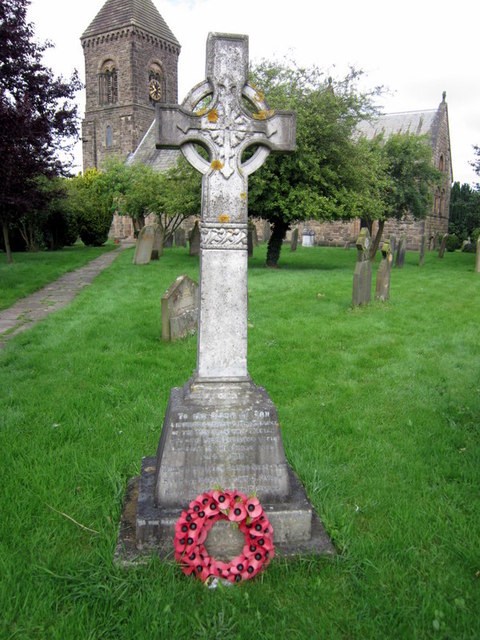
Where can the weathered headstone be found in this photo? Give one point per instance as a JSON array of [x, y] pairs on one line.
[[477, 257], [180, 237], [221, 429], [194, 240], [144, 245], [180, 309], [308, 237], [294, 240], [362, 276], [157, 249], [168, 242], [382, 285], [423, 248], [400, 260], [393, 246], [250, 241], [443, 246]]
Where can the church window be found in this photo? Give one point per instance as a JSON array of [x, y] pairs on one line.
[[108, 83], [108, 136], [441, 163]]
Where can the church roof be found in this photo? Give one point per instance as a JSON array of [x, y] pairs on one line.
[[415, 122], [147, 153], [118, 14]]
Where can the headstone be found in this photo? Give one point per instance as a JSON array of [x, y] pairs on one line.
[[400, 260], [144, 245], [294, 240], [157, 249], [393, 246], [180, 309], [180, 237], [267, 231], [443, 246], [194, 240], [250, 242], [168, 242], [477, 258], [220, 428], [382, 285], [308, 237], [362, 276], [423, 248]]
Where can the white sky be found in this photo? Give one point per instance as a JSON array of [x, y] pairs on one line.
[[417, 48]]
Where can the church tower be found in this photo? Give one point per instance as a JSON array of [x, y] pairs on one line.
[[131, 60]]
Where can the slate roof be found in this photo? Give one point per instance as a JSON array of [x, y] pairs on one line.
[[415, 122], [118, 14], [147, 153]]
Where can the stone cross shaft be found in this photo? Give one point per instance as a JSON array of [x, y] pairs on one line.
[[214, 115]]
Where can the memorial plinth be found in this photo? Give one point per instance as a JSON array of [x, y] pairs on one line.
[[220, 429]]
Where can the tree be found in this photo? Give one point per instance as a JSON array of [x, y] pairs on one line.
[[325, 177], [407, 182], [37, 115], [464, 211], [90, 203], [172, 195], [476, 163]]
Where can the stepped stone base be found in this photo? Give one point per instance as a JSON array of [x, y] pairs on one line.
[[218, 434]]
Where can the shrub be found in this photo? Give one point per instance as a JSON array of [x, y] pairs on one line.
[[92, 212], [453, 242]]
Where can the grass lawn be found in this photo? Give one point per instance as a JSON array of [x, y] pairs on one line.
[[32, 271], [380, 413]]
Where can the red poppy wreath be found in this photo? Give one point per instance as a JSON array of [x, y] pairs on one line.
[[192, 528]]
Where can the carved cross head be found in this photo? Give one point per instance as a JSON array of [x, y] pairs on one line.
[[215, 115]]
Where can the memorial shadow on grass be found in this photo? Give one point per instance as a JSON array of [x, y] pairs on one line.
[[379, 409]]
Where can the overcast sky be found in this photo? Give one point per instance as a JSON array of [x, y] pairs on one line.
[[418, 48]]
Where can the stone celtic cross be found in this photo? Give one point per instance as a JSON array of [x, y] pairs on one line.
[[214, 115]]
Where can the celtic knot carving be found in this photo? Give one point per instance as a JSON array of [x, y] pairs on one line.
[[224, 238]]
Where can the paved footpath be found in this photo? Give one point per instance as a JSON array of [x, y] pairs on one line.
[[26, 312]]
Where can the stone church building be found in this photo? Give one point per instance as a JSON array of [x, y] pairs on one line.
[[131, 62]]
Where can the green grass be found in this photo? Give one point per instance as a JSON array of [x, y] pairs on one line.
[[32, 271], [380, 412]]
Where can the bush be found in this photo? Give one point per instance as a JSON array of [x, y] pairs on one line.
[[93, 215], [453, 242]]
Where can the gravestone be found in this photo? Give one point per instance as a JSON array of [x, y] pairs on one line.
[[221, 429], [400, 260], [477, 257], [443, 246], [180, 309], [393, 246], [250, 241], [308, 237], [423, 248], [180, 238], [168, 242], [157, 249], [194, 239], [144, 245], [362, 276], [382, 285], [294, 240]]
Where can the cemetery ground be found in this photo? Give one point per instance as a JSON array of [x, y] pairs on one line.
[[379, 408]]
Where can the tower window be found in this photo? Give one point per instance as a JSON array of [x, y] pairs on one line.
[[441, 163], [108, 136], [108, 84]]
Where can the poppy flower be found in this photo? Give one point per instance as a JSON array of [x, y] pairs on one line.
[[238, 496], [181, 526], [211, 508], [237, 511], [222, 499], [254, 510]]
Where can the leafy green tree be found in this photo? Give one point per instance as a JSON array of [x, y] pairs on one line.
[[325, 178], [407, 182], [172, 196], [38, 118], [89, 202], [464, 211]]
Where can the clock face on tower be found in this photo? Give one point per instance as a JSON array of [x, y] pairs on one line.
[[155, 90]]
